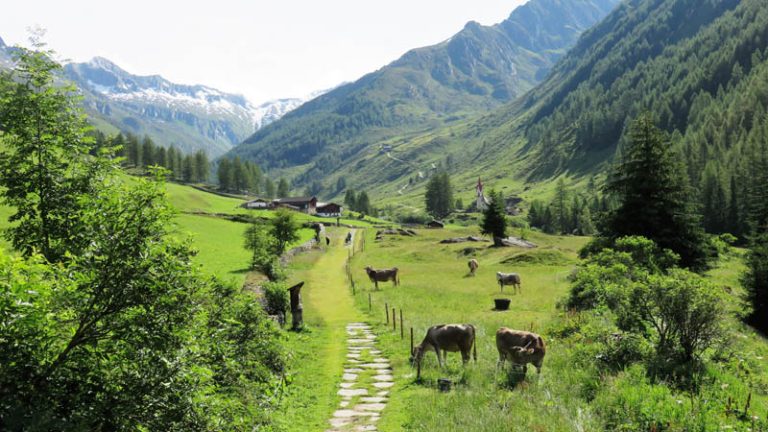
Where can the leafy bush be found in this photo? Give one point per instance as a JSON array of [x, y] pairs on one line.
[[276, 298]]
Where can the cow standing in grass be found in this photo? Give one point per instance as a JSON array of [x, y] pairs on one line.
[[473, 266], [520, 347], [509, 279], [383, 275], [447, 338]]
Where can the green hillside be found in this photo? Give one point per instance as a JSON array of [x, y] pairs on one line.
[[477, 69], [700, 69]]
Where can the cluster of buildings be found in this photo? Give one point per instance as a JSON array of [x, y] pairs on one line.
[[308, 205]]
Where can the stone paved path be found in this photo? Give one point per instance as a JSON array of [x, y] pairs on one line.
[[365, 385]]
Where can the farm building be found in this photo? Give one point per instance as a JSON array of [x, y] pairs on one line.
[[329, 209], [306, 205], [257, 204]]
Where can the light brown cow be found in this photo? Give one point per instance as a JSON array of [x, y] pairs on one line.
[[473, 266], [447, 338], [383, 275], [520, 347]]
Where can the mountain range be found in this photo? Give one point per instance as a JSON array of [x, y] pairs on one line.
[[700, 68], [478, 69], [191, 117]]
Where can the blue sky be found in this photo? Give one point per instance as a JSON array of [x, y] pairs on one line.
[[263, 49]]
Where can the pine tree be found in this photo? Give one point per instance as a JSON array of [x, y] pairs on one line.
[[134, 151], [755, 281], [350, 200], [202, 166], [494, 221], [147, 152], [653, 197], [439, 196], [225, 174], [713, 202], [734, 210], [269, 188], [560, 209], [171, 155], [283, 190], [364, 203]]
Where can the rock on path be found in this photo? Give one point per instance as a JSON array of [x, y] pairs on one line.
[[366, 374]]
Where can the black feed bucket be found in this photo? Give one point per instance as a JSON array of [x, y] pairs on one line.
[[444, 384], [502, 304]]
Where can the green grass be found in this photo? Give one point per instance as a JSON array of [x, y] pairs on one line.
[[317, 354], [435, 289]]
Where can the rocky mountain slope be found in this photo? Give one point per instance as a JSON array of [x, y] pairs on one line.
[[192, 117], [476, 70]]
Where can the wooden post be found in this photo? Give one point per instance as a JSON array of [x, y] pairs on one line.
[[369, 302], [386, 312], [402, 332], [297, 310], [394, 320]]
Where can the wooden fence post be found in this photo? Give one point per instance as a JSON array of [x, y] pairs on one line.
[[394, 320], [386, 312], [369, 302], [402, 332]]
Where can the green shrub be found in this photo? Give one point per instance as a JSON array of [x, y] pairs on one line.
[[276, 298]]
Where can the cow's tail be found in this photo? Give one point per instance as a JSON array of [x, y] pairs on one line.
[[474, 342]]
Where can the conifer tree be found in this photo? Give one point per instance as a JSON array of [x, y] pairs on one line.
[[439, 196], [363, 203], [283, 190], [147, 152], [202, 166], [755, 281], [653, 197], [269, 188], [225, 174], [494, 221], [350, 200]]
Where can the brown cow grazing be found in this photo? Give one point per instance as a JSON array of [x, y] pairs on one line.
[[509, 279], [383, 275], [521, 347], [473, 265], [448, 338]]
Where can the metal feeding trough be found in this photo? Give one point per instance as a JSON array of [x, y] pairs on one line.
[[502, 304], [444, 384]]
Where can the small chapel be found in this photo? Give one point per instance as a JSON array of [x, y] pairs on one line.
[[481, 202]]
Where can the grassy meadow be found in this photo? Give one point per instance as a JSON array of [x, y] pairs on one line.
[[435, 289]]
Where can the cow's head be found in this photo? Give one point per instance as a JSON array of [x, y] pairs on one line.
[[368, 269], [416, 354], [521, 354]]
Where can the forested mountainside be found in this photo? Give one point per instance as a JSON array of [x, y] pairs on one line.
[[479, 68], [699, 67], [190, 117]]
